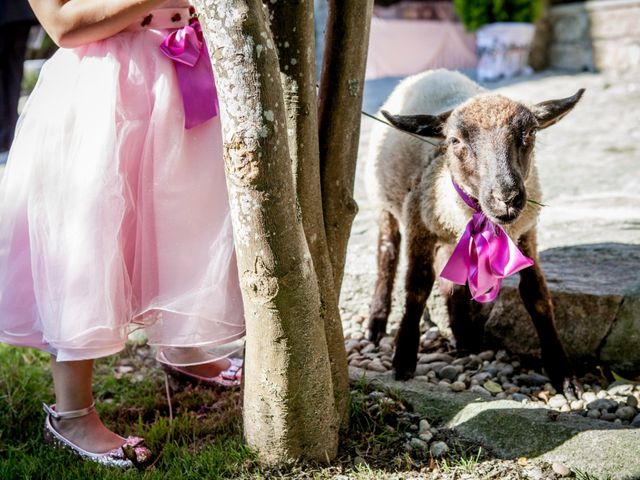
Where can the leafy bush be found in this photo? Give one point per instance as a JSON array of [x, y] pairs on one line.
[[476, 13]]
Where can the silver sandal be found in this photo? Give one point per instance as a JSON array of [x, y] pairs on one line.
[[130, 454]]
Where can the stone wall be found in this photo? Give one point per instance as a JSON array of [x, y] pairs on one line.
[[599, 35]]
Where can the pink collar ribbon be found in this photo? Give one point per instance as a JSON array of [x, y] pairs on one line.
[[483, 256], [186, 47]]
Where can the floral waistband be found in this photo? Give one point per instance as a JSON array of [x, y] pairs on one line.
[[164, 19]]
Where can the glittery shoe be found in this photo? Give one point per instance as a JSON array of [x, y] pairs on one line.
[[131, 454], [229, 378]]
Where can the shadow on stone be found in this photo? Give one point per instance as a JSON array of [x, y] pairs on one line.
[[511, 430]]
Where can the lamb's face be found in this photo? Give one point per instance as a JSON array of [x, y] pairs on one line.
[[490, 143]]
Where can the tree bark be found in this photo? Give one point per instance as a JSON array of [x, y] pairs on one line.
[[293, 30], [340, 104], [289, 409]]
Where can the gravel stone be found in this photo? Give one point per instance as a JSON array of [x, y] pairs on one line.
[[636, 421], [426, 436], [438, 449], [603, 404], [594, 414], [461, 361], [492, 387], [424, 426], [620, 388], [377, 366], [436, 366], [351, 345], [486, 355], [450, 372], [357, 335], [560, 469], [418, 444], [608, 416], [481, 377], [480, 391], [436, 357], [458, 386], [368, 348], [589, 397], [632, 401], [506, 371], [557, 401], [519, 397], [577, 405], [387, 342], [625, 413]]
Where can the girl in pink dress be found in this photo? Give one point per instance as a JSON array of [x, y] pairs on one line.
[[114, 210]]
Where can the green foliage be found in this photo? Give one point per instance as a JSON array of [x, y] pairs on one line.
[[476, 13]]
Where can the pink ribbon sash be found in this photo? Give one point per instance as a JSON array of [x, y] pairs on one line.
[[186, 47], [483, 256]]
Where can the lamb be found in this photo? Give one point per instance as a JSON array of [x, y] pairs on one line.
[[488, 151]]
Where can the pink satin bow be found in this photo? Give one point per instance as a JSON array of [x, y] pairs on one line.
[[185, 46], [483, 256]]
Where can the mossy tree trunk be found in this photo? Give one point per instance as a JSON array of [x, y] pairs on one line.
[[296, 384]]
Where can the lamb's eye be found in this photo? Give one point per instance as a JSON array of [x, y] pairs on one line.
[[529, 136], [454, 141]]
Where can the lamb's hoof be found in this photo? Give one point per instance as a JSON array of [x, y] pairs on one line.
[[377, 329], [403, 375], [404, 368], [572, 388]]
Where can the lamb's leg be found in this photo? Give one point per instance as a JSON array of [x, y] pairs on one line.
[[418, 284], [388, 254], [468, 335], [537, 300]]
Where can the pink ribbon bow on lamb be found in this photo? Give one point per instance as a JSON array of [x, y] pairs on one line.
[[483, 256], [185, 46]]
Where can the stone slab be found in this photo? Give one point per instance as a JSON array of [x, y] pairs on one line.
[[511, 430], [595, 293]]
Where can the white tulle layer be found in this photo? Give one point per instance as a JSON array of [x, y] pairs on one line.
[[113, 215]]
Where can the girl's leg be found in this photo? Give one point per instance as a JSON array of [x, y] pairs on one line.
[[73, 388]]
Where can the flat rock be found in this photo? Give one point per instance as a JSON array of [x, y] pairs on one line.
[[596, 293], [505, 427]]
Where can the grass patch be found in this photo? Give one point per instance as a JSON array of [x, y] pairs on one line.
[[203, 441], [581, 475]]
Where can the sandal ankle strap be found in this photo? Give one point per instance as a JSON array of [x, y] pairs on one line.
[[82, 412]]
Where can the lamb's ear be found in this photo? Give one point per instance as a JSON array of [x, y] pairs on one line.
[[552, 111], [423, 125]]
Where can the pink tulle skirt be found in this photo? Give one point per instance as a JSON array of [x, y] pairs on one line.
[[112, 215]]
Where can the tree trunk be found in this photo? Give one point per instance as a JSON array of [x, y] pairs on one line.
[[293, 31], [289, 409], [341, 90], [296, 383]]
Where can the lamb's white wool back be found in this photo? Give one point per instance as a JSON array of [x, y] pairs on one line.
[[395, 159]]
